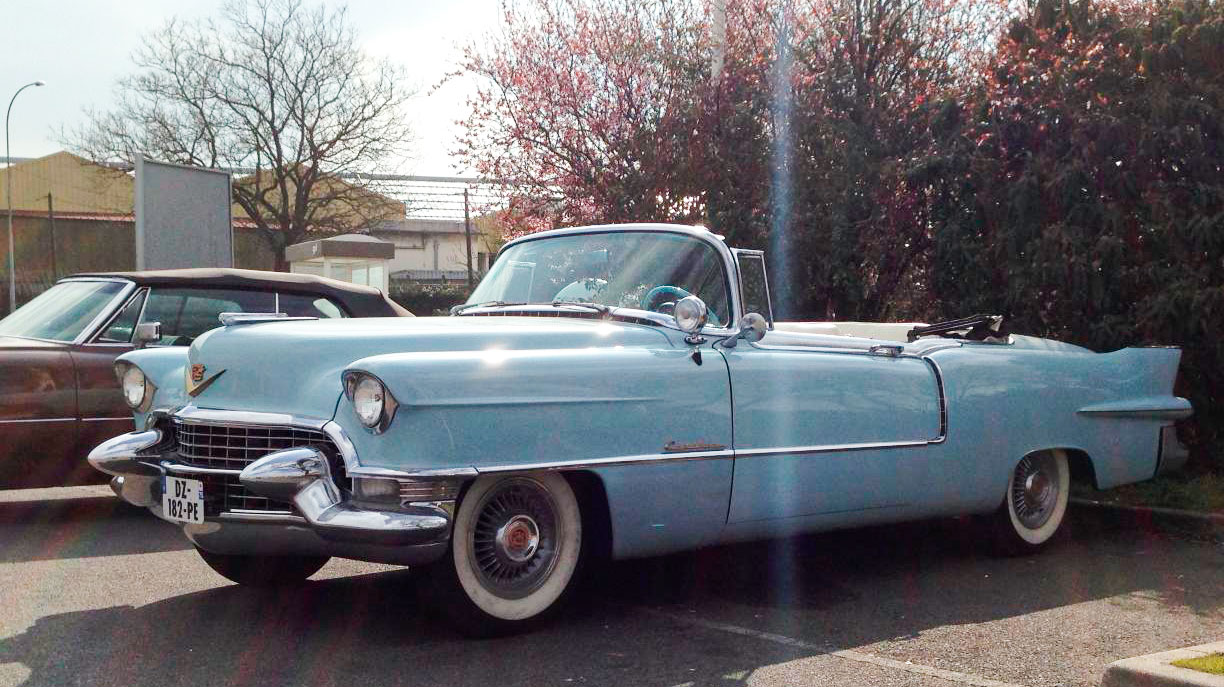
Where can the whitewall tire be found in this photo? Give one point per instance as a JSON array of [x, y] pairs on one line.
[[1035, 505], [515, 546]]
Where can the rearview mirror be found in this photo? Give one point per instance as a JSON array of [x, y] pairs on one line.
[[147, 333], [752, 328]]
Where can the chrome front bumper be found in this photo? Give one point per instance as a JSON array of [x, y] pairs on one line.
[[325, 523]]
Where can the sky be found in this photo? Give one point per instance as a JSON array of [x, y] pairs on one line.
[[82, 47]]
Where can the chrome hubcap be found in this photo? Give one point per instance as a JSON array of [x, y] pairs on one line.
[[1035, 490], [515, 539], [518, 539]]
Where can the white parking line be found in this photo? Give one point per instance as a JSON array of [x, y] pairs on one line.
[[949, 675]]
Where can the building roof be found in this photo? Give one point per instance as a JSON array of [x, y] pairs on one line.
[[358, 300], [343, 246], [422, 226]]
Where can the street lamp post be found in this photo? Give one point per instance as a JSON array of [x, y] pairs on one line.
[[8, 173]]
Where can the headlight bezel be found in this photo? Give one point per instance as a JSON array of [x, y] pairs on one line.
[[353, 379], [148, 388]]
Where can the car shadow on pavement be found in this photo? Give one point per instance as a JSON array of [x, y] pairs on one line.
[[626, 626], [81, 528]]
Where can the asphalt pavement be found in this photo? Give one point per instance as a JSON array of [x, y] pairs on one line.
[[93, 592]]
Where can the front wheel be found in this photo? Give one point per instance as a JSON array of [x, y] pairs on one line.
[[1035, 504], [516, 544], [263, 571]]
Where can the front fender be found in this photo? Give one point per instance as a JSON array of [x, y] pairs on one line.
[[507, 409], [166, 368]]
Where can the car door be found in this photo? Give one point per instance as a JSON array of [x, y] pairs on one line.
[[184, 313], [101, 411], [822, 430]]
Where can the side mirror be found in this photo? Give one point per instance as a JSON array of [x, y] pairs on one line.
[[753, 328], [147, 333]]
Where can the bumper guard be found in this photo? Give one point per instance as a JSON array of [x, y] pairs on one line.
[[326, 523]]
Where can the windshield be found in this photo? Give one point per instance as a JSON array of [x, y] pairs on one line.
[[641, 270], [61, 312]]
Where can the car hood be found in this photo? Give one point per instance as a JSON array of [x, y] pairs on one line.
[[294, 367]]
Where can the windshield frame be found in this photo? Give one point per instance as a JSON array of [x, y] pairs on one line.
[[101, 318], [730, 273]]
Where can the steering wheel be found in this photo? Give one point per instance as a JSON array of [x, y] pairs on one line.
[[660, 297]]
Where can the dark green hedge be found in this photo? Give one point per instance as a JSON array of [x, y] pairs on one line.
[[428, 299]]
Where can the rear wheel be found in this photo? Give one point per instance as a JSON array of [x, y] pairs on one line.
[[517, 541], [1036, 502], [263, 571]]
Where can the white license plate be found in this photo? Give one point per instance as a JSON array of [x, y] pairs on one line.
[[183, 499]]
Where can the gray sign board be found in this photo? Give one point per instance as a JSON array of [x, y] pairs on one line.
[[182, 217]]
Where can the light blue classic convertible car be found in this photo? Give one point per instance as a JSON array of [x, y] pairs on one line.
[[620, 390]]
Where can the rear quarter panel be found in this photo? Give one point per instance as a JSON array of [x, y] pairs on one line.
[[1007, 401]]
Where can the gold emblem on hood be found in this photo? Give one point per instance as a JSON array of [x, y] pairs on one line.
[[197, 382]]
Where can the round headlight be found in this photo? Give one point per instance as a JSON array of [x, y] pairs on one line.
[[369, 398], [690, 314], [133, 386]]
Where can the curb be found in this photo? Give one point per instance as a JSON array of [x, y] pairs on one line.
[[1148, 517], [1154, 670]]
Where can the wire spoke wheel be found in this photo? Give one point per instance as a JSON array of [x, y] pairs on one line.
[[514, 542], [1035, 503], [1035, 489], [515, 546]]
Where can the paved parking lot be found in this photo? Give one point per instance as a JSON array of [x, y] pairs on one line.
[[95, 593]]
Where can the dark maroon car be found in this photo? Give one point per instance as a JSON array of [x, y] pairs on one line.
[[58, 393]]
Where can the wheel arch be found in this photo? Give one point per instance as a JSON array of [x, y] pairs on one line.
[[1083, 470], [596, 513]]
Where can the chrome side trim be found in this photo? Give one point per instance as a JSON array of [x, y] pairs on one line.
[[829, 448], [39, 419], [423, 473], [105, 419], [1146, 413], [610, 461]]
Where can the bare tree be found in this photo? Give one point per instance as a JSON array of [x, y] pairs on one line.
[[272, 86]]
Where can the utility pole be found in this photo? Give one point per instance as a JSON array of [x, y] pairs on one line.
[[467, 229], [51, 218]]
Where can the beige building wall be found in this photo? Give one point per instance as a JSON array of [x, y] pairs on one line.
[[434, 245], [74, 183]]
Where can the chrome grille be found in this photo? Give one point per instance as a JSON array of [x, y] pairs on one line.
[[233, 447]]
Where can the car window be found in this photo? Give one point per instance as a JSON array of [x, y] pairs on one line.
[[626, 269], [61, 312], [120, 328], [297, 305], [754, 286], [185, 314]]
